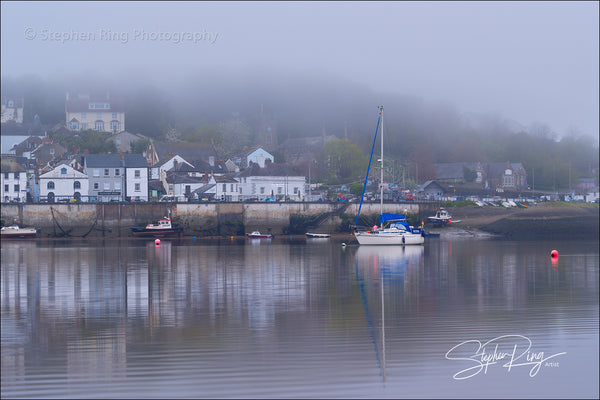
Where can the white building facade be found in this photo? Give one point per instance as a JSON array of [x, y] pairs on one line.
[[13, 183], [64, 183]]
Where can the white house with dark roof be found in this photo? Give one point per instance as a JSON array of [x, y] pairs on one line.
[[274, 180], [99, 113], [13, 181], [136, 177], [255, 155], [64, 183]]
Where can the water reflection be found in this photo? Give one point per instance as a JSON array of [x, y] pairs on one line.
[[123, 319]]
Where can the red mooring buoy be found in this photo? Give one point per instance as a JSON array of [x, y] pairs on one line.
[[157, 242], [554, 254]]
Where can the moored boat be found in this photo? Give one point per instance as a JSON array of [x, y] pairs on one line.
[[258, 235], [15, 231], [442, 217], [162, 229], [394, 228]]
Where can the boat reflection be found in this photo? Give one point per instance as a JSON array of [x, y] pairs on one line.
[[383, 265], [396, 262]]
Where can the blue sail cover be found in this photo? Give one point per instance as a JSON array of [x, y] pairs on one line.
[[387, 217]]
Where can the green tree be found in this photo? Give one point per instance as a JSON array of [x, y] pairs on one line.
[[343, 161], [139, 146]]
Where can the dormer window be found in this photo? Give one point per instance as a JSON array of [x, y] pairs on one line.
[[63, 171], [508, 172]]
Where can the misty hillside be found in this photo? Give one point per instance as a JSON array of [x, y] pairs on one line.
[[232, 105]]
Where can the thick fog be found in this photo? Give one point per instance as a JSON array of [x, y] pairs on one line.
[[528, 62]]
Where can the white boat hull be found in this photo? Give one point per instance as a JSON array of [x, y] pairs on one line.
[[391, 238]]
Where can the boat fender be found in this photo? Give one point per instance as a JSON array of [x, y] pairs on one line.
[[403, 240], [422, 233]]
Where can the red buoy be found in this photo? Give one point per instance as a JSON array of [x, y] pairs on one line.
[[157, 242], [554, 254]]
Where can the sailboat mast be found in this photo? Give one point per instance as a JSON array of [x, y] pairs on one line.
[[381, 180]]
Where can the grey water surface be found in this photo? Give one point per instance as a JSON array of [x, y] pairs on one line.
[[460, 318]]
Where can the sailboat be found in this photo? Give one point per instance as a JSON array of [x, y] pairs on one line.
[[393, 229]]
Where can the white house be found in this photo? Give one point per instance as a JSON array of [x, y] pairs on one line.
[[226, 188], [256, 155], [159, 170], [136, 177], [274, 180], [13, 183], [64, 182]]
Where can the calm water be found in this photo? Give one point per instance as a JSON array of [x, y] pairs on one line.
[[299, 318]]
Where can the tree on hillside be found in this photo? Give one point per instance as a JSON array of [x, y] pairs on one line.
[[341, 161]]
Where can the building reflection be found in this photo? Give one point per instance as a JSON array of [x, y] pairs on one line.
[[87, 304]]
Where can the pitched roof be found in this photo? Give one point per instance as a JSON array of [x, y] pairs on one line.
[[183, 178], [270, 169], [79, 104], [189, 151], [135, 161], [10, 166], [103, 160]]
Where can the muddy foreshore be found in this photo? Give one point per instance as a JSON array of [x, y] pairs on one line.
[[544, 220]]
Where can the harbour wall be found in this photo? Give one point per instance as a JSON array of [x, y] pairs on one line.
[[199, 219]]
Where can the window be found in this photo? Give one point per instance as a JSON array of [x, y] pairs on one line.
[[137, 187], [96, 186], [6, 188], [83, 115], [279, 190], [295, 190], [84, 126], [96, 172], [117, 185], [114, 115], [6, 175], [74, 126], [16, 175], [224, 187], [105, 171], [114, 125], [76, 185], [117, 172], [262, 190], [106, 185], [231, 188], [16, 188], [63, 171], [136, 173], [99, 126], [50, 185]]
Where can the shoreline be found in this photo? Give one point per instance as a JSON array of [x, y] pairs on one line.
[[544, 220]]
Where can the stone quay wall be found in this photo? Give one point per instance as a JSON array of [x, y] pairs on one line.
[[198, 219]]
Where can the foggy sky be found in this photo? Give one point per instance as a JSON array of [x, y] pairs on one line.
[[532, 62]]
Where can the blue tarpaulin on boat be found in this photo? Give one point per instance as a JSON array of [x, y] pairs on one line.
[[387, 217]]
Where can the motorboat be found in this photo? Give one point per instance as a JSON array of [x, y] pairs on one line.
[[15, 231], [161, 229], [442, 217], [258, 235], [394, 228]]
